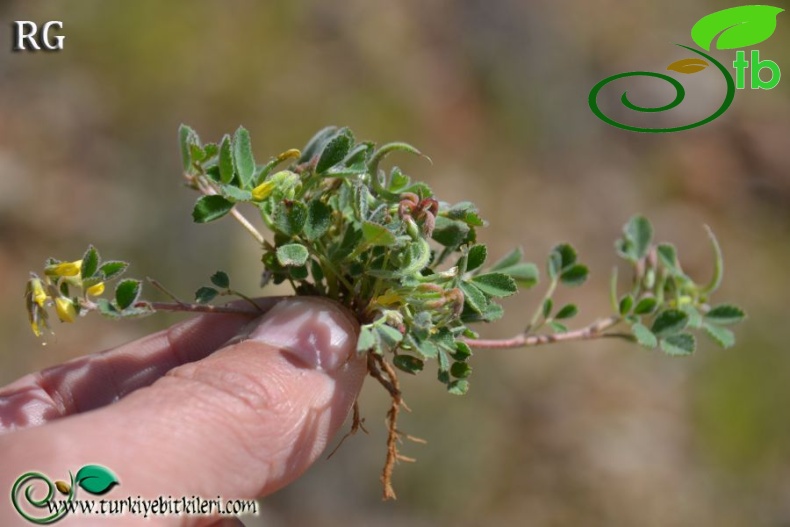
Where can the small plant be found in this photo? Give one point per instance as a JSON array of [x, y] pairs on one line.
[[408, 265]]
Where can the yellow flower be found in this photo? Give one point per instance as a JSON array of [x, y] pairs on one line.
[[66, 269], [96, 290], [34, 325], [37, 292], [263, 191], [65, 309], [389, 298], [289, 154]]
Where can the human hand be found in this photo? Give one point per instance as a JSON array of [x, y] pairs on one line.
[[213, 406]]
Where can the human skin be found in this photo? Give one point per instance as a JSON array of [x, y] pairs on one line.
[[217, 405]]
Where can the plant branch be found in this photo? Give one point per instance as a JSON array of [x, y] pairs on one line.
[[203, 308], [595, 330]]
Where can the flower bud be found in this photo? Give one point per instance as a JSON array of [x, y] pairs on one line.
[[65, 309]]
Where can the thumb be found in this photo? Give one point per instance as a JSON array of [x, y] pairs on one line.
[[241, 423]]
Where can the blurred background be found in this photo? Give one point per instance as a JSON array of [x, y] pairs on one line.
[[496, 93]]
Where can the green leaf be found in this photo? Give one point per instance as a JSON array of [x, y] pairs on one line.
[[495, 284], [106, 309], [113, 269], [567, 311], [644, 336], [512, 258], [95, 479], [290, 217], [462, 351], [319, 219], [389, 335], [558, 327], [226, 165], [450, 233], [473, 297], [210, 208], [639, 233], [739, 27], [408, 363], [367, 339], [316, 143], [575, 275], [335, 150], [646, 306], [187, 137], [220, 279], [242, 155], [205, 295], [626, 303], [292, 254], [725, 314], [723, 336], [385, 150], [492, 312], [126, 293], [460, 370], [525, 274], [718, 264], [567, 255], [669, 322], [233, 193], [668, 256], [90, 262], [377, 235], [476, 257], [679, 345], [458, 387]]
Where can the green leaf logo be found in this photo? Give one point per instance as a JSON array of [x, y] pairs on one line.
[[738, 27], [96, 479]]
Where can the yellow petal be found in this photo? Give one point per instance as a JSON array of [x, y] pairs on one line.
[[65, 309], [67, 268], [96, 290], [389, 298], [37, 292], [263, 191], [35, 327], [288, 154]]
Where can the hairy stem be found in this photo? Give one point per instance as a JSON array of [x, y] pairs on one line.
[[595, 330]]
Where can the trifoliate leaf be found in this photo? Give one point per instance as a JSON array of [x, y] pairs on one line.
[[669, 322], [226, 164], [575, 275], [205, 295], [473, 297], [210, 208], [126, 293], [319, 218], [678, 345], [242, 155], [646, 306], [113, 269], [512, 258], [495, 284], [723, 336], [290, 218], [335, 150], [377, 235], [476, 257], [567, 311], [293, 254], [90, 263], [725, 314], [460, 370], [220, 279], [408, 363], [458, 387], [644, 336], [625, 304]]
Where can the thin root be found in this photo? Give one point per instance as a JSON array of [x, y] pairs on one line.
[[357, 424], [383, 372]]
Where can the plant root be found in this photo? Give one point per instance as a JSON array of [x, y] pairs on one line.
[[357, 424], [383, 372]]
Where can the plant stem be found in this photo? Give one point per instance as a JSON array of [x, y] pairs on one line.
[[203, 308], [595, 330]]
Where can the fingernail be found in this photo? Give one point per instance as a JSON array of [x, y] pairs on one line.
[[316, 332]]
